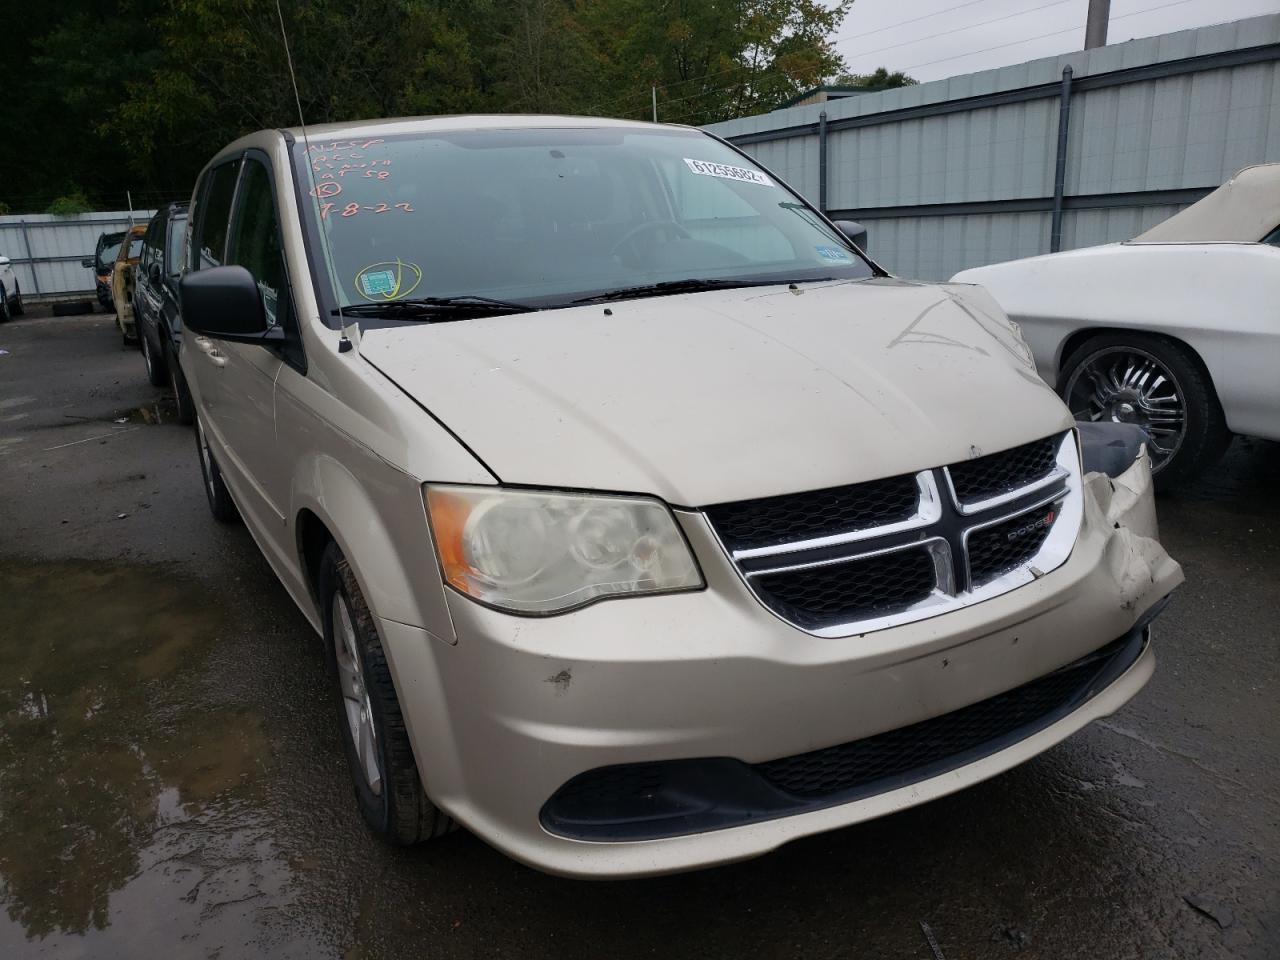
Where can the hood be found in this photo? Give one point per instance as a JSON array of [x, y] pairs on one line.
[[727, 395]]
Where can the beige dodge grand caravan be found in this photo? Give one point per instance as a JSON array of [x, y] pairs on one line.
[[647, 522]]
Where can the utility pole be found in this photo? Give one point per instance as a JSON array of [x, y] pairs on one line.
[[654, 92], [1095, 30]]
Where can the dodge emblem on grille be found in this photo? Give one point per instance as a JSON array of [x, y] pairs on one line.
[[1030, 527]]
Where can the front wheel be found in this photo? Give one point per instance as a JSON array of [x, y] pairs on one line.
[[178, 384], [387, 786], [18, 308], [155, 369], [221, 505], [1156, 383]]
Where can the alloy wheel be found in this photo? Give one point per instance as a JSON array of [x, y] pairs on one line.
[[355, 695], [1129, 385]]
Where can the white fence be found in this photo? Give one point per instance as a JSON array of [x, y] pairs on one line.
[[46, 250]]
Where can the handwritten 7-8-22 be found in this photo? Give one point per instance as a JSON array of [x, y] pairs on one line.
[[353, 208]]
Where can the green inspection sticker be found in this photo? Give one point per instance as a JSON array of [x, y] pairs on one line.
[[378, 283], [388, 280]]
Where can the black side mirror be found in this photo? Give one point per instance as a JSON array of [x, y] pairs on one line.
[[854, 232], [88, 262], [153, 273], [224, 303]]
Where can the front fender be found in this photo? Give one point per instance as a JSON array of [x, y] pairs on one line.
[[379, 522]]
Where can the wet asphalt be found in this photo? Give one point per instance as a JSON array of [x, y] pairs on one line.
[[172, 784]]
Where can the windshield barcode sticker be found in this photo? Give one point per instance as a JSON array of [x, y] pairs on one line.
[[727, 172]]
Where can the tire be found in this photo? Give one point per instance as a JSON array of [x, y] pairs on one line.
[[156, 373], [387, 785], [186, 407], [1158, 383], [19, 308], [5, 313], [221, 505], [128, 342]]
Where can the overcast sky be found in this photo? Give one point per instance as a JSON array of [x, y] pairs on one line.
[[930, 39]]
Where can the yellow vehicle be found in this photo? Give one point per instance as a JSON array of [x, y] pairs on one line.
[[122, 283]]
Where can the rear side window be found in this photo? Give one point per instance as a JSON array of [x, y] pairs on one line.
[[255, 241], [173, 255], [1273, 237], [209, 238], [150, 241]]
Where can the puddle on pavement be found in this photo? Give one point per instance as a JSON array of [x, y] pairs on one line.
[[108, 736], [161, 410]]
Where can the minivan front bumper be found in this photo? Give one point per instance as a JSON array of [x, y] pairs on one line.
[[520, 707]]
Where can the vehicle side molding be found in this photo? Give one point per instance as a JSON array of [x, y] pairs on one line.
[[224, 303]]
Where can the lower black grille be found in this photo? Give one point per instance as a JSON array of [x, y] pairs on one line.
[[1007, 470], [1000, 548], [669, 798], [843, 592], [953, 735]]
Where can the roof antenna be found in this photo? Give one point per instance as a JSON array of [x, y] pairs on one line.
[[350, 334]]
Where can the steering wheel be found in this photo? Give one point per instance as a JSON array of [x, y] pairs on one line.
[[650, 226]]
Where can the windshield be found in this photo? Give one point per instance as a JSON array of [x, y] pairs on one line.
[[544, 216], [108, 247]]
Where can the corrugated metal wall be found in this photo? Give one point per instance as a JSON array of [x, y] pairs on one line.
[[1154, 124], [46, 250]]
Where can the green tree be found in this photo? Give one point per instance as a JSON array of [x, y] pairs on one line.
[[879, 79], [136, 95], [710, 60]]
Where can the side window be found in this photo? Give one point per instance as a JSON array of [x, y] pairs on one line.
[[149, 243], [174, 245], [1273, 237], [255, 241], [209, 237]]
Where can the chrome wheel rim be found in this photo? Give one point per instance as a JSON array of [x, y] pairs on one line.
[[355, 695], [1129, 385]]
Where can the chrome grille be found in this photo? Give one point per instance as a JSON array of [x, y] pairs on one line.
[[868, 556], [840, 592], [1008, 544], [775, 520], [997, 473]]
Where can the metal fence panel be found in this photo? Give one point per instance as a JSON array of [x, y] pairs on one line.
[[46, 250], [795, 161], [961, 172], [938, 247]]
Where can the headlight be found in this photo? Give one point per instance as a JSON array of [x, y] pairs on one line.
[[533, 552]]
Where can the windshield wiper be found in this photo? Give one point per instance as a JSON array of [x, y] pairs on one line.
[[420, 308], [689, 285]]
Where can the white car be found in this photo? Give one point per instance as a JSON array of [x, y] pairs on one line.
[[1177, 330], [10, 294]]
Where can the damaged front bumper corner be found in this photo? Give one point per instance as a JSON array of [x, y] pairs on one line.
[[1133, 552]]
